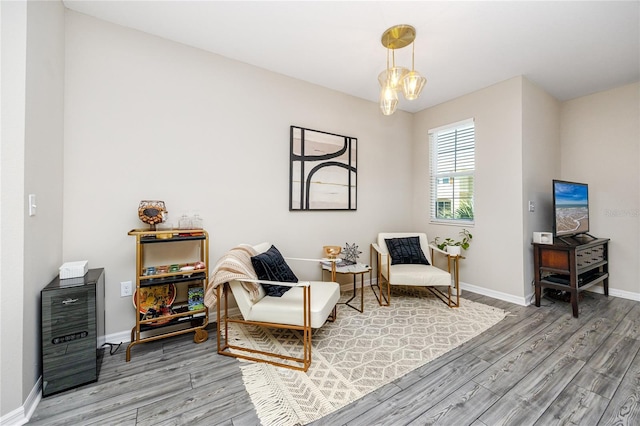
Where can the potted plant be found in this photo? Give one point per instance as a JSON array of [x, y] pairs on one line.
[[452, 246]]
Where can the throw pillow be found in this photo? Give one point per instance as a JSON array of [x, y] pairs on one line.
[[406, 251], [271, 266]]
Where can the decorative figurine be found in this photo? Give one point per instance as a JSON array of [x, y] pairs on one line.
[[350, 254], [152, 212]]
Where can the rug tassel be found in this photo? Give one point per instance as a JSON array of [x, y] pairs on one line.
[[270, 404]]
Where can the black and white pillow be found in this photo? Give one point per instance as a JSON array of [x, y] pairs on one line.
[[271, 266], [406, 251]]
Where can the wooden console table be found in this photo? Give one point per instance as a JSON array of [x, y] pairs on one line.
[[571, 265]]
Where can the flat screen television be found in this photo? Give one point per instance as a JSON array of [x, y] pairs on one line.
[[570, 208]]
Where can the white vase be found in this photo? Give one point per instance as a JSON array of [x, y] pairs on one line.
[[454, 250]]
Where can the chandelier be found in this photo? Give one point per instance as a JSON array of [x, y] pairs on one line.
[[395, 78]]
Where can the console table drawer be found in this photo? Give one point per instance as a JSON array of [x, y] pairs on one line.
[[555, 259], [588, 257]]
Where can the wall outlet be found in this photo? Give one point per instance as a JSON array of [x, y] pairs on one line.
[[126, 288]]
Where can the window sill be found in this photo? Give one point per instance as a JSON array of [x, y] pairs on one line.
[[462, 223]]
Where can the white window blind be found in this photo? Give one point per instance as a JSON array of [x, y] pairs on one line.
[[452, 151]]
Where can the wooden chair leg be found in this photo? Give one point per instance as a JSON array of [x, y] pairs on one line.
[[383, 300]]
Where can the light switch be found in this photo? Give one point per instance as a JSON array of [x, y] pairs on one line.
[[32, 204]]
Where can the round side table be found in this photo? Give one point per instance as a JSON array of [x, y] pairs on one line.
[[355, 270]]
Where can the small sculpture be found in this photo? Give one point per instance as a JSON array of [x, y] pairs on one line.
[[152, 212], [351, 254]]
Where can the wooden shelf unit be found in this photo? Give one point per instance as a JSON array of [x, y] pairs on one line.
[[572, 266], [181, 320]]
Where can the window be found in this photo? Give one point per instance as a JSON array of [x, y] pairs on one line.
[[452, 150]]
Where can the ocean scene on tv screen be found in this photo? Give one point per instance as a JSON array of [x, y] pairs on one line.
[[572, 208]]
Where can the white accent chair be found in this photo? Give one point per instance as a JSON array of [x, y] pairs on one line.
[[306, 306], [429, 276]]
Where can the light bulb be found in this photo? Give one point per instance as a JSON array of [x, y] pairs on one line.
[[388, 100], [412, 85]]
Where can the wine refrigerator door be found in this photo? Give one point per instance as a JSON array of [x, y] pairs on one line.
[[68, 338]]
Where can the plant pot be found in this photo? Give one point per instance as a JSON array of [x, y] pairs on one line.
[[454, 250]]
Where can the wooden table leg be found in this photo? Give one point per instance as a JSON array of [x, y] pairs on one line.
[[362, 292], [574, 303]]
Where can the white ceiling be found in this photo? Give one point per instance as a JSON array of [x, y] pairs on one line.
[[569, 48]]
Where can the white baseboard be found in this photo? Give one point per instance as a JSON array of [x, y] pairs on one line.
[[616, 293], [14, 418], [495, 294], [21, 415], [528, 299], [119, 337]]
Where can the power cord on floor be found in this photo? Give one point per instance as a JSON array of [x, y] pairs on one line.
[[111, 345], [544, 299]]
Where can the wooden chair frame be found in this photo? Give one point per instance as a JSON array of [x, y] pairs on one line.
[[273, 358], [452, 268], [224, 348]]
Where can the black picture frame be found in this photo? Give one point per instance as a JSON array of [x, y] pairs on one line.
[[323, 173]]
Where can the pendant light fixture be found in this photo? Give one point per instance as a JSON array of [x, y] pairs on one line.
[[394, 78], [390, 83]]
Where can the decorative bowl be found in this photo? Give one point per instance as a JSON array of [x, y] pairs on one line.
[[331, 251]]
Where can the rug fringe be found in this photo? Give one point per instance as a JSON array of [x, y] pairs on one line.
[[268, 400]]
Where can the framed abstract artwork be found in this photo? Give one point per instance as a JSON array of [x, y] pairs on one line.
[[323, 173]]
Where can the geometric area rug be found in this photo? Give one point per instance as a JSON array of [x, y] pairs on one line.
[[356, 354]]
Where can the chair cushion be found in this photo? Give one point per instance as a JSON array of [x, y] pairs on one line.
[[288, 309], [419, 275], [406, 250], [271, 266], [424, 241]]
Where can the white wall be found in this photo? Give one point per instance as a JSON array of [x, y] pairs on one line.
[[146, 118], [497, 111], [601, 147], [540, 165], [13, 50], [32, 139], [43, 167]]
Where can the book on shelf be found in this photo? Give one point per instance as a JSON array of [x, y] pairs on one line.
[[195, 294]]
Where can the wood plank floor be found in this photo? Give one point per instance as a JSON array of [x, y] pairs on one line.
[[539, 366]]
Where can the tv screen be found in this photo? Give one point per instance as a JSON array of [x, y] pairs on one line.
[[571, 208]]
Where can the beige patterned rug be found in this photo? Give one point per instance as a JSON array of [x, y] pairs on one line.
[[357, 353]]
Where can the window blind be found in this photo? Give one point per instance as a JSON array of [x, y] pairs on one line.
[[452, 152]]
